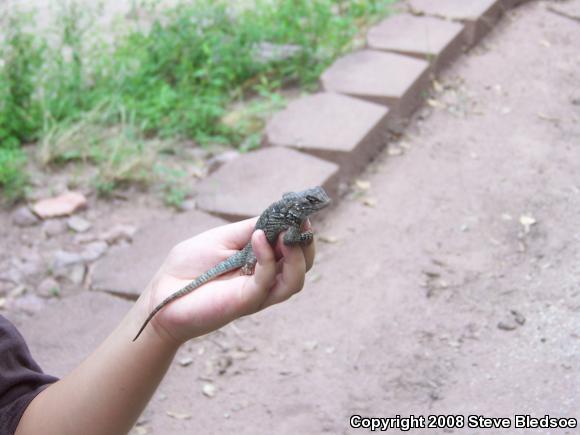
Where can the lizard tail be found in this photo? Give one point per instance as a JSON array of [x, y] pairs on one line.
[[225, 266]]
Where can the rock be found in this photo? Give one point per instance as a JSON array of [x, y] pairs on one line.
[[53, 227], [30, 266], [76, 274], [518, 317], [185, 361], [62, 205], [29, 304], [119, 233], [78, 224], [512, 321], [507, 325], [187, 205], [23, 217], [94, 250], [48, 288], [62, 259]]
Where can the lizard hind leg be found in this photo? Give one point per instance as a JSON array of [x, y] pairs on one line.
[[249, 265]]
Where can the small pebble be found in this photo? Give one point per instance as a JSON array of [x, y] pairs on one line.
[[53, 227], [48, 288], [23, 217]]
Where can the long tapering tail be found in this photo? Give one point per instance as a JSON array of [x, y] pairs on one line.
[[229, 264]]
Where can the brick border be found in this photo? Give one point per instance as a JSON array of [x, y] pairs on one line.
[[327, 138], [381, 85]]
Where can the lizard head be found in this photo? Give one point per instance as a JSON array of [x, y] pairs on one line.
[[308, 201]]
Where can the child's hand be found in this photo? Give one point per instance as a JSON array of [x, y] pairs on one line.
[[278, 275]]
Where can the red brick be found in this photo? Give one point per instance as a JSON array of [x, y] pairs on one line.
[[390, 79], [331, 126], [479, 16], [245, 186], [432, 39]]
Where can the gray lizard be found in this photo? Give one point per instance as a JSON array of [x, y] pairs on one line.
[[289, 214]]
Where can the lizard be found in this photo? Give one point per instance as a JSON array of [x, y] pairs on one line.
[[287, 214]]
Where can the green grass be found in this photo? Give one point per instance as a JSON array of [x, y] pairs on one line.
[[109, 105]]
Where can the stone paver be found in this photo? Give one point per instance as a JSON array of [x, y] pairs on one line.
[[508, 4], [245, 186], [65, 332], [127, 270], [435, 40], [335, 127], [479, 16], [569, 10], [385, 78]]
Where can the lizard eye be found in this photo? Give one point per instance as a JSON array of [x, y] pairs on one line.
[[312, 199]]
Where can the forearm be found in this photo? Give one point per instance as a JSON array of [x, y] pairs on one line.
[[105, 394]]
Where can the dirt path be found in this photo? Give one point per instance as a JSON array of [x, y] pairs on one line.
[[405, 316], [455, 291], [417, 309]]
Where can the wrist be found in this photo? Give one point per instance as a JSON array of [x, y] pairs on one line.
[[153, 336]]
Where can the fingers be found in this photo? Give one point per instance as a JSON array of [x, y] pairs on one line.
[[264, 277], [310, 249], [291, 278]]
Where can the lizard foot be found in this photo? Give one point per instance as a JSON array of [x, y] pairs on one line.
[[247, 269]]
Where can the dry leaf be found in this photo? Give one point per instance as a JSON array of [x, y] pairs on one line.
[[314, 277], [179, 415], [208, 390], [547, 118], [370, 202], [394, 151], [310, 345], [434, 103], [328, 239], [362, 184], [438, 87], [527, 221]]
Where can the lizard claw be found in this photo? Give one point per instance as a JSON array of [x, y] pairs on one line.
[[247, 269]]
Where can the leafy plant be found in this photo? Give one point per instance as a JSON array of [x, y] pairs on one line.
[[13, 177], [181, 77]]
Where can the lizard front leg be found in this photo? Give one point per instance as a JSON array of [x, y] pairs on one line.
[[295, 237]]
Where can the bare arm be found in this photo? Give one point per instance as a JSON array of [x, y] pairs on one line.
[[106, 394], [108, 391]]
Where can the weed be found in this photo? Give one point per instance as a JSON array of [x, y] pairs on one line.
[[20, 59], [200, 70], [13, 177], [172, 183]]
